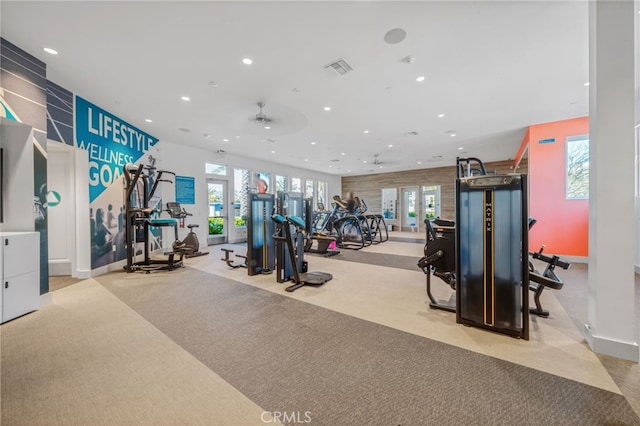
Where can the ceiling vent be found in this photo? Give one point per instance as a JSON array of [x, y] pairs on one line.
[[341, 67]]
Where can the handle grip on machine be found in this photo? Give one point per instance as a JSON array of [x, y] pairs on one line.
[[552, 260]]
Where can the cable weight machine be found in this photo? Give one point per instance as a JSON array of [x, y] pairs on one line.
[[140, 185]]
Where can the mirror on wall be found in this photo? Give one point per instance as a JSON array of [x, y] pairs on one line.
[[390, 203]]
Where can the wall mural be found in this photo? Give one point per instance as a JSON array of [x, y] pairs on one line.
[[111, 143], [23, 99]]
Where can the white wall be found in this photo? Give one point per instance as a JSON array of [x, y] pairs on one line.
[[187, 161], [16, 140]]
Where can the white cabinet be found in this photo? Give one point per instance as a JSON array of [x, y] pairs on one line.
[[20, 273]]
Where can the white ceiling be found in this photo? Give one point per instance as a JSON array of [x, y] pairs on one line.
[[492, 68]]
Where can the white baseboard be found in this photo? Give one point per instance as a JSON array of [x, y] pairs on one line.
[[576, 259], [59, 267], [616, 348], [82, 274], [45, 299]]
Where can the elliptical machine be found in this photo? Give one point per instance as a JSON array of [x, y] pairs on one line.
[[190, 246]]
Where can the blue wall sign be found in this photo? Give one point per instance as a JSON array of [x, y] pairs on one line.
[[185, 190], [550, 140], [111, 143]]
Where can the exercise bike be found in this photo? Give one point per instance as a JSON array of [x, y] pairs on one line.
[[190, 245]]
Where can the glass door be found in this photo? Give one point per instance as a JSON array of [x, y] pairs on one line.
[[217, 213], [431, 200], [409, 208]]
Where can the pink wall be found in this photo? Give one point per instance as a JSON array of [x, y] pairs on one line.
[[562, 224]]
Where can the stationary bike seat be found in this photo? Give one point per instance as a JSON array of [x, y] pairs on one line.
[[193, 225]]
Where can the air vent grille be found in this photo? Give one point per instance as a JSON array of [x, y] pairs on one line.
[[341, 67]]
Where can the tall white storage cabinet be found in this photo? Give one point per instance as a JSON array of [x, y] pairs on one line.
[[20, 272]]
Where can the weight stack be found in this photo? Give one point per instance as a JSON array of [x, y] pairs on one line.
[[492, 253]]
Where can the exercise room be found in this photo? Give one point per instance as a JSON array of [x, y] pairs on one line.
[[324, 213]]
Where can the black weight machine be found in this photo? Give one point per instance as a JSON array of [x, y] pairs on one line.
[[295, 253], [548, 279], [190, 246], [140, 185], [261, 257], [288, 204], [495, 276]]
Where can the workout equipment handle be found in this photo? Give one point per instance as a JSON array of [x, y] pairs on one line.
[[552, 260]]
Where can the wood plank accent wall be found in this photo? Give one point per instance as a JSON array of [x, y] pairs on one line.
[[369, 187]]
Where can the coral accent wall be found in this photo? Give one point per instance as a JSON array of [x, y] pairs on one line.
[[562, 224]]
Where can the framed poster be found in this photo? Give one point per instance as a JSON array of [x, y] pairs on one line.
[[185, 190]]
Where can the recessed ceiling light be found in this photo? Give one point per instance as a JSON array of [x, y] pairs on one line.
[[460, 148], [225, 140], [185, 98], [267, 127], [586, 84], [364, 161], [419, 162], [327, 108], [342, 153], [440, 115], [420, 79], [380, 166], [50, 51], [390, 145], [247, 61], [273, 152], [148, 120], [366, 131], [306, 159], [452, 135], [313, 143], [348, 171], [237, 137], [330, 166]]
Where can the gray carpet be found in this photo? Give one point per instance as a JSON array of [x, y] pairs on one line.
[[408, 240], [287, 355], [381, 259]]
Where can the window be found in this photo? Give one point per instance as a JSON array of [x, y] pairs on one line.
[[296, 185], [215, 169], [322, 193], [281, 183], [240, 195], [308, 190], [263, 183], [577, 167]]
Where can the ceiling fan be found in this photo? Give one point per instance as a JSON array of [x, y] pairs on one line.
[[261, 118], [376, 160]]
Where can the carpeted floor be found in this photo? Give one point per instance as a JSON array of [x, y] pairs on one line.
[[58, 282], [198, 346], [390, 260], [287, 355]]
